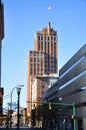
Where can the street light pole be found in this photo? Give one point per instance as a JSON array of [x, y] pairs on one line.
[[18, 93], [12, 92], [11, 103], [11, 107]]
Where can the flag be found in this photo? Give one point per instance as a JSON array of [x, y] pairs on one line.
[[49, 7]]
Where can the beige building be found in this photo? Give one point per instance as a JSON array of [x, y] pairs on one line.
[[39, 86], [43, 59]]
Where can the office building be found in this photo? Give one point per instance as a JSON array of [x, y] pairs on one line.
[[43, 59], [71, 88]]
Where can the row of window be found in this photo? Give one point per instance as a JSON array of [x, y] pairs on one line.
[[45, 45], [37, 65], [46, 37], [40, 72], [42, 61], [38, 59], [35, 54]]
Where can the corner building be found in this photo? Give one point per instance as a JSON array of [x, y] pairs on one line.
[[71, 88], [43, 59]]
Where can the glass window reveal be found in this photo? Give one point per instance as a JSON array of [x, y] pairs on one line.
[[75, 64]]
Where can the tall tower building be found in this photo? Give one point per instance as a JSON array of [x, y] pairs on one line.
[[1, 38], [43, 59]]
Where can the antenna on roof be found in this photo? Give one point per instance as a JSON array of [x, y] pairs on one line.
[[49, 15]]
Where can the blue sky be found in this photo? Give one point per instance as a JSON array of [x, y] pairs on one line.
[[22, 18]]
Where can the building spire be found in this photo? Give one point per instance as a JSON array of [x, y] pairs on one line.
[[48, 27]]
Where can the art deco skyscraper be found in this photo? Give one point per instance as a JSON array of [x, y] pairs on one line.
[[43, 59]]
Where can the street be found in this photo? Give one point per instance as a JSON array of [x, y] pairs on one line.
[[22, 128]]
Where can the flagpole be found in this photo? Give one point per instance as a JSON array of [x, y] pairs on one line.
[[49, 15]]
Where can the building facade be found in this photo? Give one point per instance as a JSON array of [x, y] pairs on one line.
[[43, 59], [39, 87], [1, 38], [71, 88]]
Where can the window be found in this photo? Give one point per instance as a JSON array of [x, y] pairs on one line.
[[38, 45], [45, 37], [48, 38], [42, 46], [54, 38], [38, 38], [45, 46]]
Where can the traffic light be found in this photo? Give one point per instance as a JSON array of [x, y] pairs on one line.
[[50, 107], [73, 117]]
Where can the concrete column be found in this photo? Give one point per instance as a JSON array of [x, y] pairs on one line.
[[84, 123]]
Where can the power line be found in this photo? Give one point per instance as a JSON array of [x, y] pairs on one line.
[[6, 96]]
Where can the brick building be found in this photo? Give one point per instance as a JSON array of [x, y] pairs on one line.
[[43, 59], [1, 38]]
